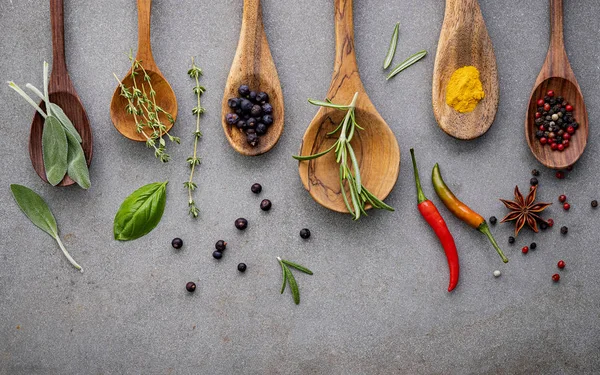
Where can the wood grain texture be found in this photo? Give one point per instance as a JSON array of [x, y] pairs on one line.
[[464, 40], [62, 93], [165, 96], [556, 74], [253, 65], [376, 147]]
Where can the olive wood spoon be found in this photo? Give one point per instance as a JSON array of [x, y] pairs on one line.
[[62, 93], [253, 66], [557, 75], [464, 40], [165, 97], [376, 147]]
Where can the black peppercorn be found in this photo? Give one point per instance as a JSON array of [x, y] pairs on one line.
[[261, 128], [493, 220], [265, 205], [244, 90], [564, 230], [535, 172], [177, 243], [191, 287], [594, 203], [242, 267], [221, 245], [262, 97], [533, 181], [241, 223], [217, 254], [305, 233], [511, 240], [533, 246], [256, 188]]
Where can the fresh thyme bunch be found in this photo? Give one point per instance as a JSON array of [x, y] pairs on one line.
[[195, 72], [359, 195], [146, 113]]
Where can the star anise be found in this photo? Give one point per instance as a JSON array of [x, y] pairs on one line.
[[524, 210]]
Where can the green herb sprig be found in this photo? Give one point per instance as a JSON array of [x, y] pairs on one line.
[[392, 49], [146, 113], [288, 277], [195, 72], [61, 143], [36, 210], [406, 63], [345, 157]]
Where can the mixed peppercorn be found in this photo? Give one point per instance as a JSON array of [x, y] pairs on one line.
[[252, 114], [555, 122]]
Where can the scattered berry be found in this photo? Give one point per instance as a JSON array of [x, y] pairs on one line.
[[562, 198], [305, 233], [217, 254], [493, 220], [544, 226], [191, 287], [533, 181], [265, 205], [242, 267], [566, 206], [221, 245], [256, 188], [555, 277], [550, 222], [497, 273], [533, 246], [535, 172], [561, 264], [594, 203], [511, 240], [241, 223], [177, 243], [525, 250], [560, 175], [564, 230]]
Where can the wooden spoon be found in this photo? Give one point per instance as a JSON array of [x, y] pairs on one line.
[[376, 147], [62, 93], [464, 41], [253, 66], [557, 75], [165, 97]]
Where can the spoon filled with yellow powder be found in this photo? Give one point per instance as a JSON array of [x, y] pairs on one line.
[[464, 90]]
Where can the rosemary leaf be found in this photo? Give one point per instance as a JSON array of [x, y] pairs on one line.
[[293, 285], [314, 156], [406, 63], [297, 266], [392, 49], [328, 104]]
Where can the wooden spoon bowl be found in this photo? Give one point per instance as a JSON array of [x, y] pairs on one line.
[[165, 96], [464, 41], [253, 66], [376, 147], [557, 75]]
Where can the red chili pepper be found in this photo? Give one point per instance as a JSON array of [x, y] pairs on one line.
[[431, 214]]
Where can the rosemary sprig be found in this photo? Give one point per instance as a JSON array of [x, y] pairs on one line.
[[392, 49], [289, 277], [345, 157], [146, 113], [195, 72], [406, 63]]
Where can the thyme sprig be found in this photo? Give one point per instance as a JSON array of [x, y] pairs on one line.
[[345, 157], [288, 277], [142, 106], [195, 72]]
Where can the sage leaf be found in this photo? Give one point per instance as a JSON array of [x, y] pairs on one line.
[[406, 63], [36, 210], [297, 266], [54, 150], [392, 50], [77, 166], [57, 112], [140, 212], [293, 286]]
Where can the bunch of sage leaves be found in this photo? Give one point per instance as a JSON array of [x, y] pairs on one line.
[[61, 143]]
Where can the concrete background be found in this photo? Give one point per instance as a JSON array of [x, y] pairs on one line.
[[377, 303]]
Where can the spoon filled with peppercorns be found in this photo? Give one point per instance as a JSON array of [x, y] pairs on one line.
[[253, 103], [556, 126]]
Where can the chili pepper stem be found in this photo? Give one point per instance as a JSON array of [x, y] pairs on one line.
[[420, 195], [485, 229]]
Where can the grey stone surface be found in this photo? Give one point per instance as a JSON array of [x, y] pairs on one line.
[[377, 303]]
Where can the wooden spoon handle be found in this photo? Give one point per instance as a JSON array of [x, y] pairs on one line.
[[557, 42], [345, 55], [59, 65], [250, 34], [144, 52]]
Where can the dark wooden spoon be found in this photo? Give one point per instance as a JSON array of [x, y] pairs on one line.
[[165, 97], [253, 65], [376, 147], [557, 75], [62, 93]]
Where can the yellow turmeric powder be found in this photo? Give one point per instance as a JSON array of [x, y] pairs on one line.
[[464, 90]]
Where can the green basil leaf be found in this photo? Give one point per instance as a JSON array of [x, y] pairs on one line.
[[140, 212], [34, 207], [77, 167], [57, 112], [54, 150]]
